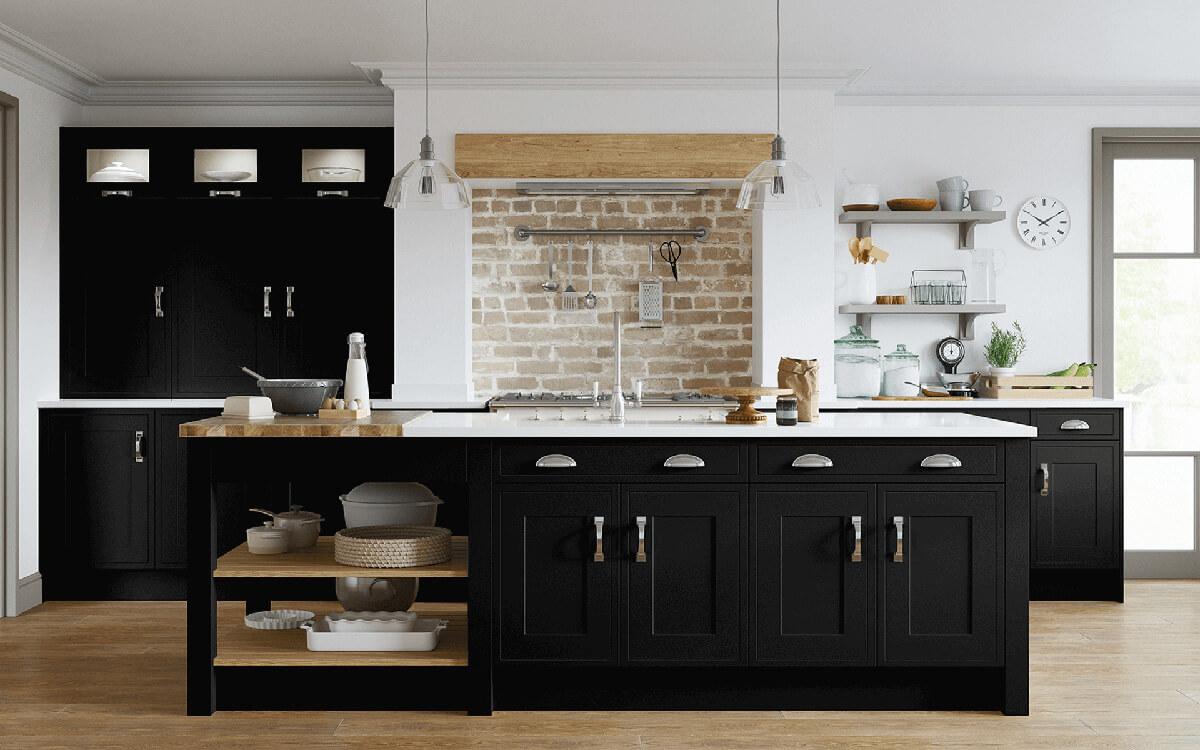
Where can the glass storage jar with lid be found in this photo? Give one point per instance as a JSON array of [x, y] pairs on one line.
[[902, 373], [856, 365]]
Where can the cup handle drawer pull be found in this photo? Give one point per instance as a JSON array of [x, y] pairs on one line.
[[684, 461], [812, 461], [1073, 425], [898, 554], [599, 554], [556, 461], [641, 550], [1045, 491], [941, 461], [856, 552]]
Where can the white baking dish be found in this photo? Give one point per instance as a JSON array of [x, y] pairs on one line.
[[424, 636], [371, 622]]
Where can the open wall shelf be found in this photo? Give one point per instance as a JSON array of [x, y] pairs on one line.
[[966, 221], [966, 314]]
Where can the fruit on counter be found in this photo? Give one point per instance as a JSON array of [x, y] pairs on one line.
[[1076, 370]]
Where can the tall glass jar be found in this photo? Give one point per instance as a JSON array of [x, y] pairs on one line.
[[856, 365], [902, 373]]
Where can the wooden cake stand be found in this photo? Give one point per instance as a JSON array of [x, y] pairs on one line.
[[746, 396]]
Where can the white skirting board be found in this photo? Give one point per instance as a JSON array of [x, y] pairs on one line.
[[29, 592]]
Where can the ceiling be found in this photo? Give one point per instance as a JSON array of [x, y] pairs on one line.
[[1010, 47]]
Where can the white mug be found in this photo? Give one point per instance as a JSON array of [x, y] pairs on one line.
[[985, 200], [952, 183], [953, 200]]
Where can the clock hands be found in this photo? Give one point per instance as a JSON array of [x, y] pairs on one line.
[[1051, 218], [1044, 223]]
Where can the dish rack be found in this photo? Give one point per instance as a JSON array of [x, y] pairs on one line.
[[938, 287]]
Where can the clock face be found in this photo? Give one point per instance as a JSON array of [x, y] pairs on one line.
[[950, 351], [1043, 222]]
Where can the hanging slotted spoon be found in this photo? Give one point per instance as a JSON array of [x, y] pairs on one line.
[[570, 297]]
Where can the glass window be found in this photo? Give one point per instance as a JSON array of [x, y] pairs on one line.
[[1160, 502], [1157, 351], [1154, 205]]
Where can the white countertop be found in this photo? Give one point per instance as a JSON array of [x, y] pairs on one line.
[[831, 425], [383, 404], [845, 404]]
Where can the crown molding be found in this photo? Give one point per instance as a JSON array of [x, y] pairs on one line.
[[1180, 99], [45, 67], [402, 75]]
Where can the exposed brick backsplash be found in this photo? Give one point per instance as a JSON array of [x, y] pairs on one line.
[[523, 340]]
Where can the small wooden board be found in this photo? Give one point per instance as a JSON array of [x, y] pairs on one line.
[[343, 415]]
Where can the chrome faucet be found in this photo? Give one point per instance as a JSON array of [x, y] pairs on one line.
[[616, 409]]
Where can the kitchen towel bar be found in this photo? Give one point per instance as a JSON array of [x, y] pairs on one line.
[[697, 233]]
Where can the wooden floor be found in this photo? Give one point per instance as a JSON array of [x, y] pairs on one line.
[[103, 675]]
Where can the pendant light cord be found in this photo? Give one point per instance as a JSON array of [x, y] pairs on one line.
[[427, 61], [777, 69]]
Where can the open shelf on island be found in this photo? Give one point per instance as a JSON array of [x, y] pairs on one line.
[[966, 314], [966, 221], [318, 562], [240, 646]]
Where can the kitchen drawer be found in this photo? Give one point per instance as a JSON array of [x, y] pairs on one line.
[[1056, 424], [566, 461], [981, 462]]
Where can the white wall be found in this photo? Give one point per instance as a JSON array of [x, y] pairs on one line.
[[1021, 151], [806, 122], [40, 113]]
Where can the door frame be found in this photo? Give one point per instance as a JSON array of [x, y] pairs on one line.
[[9, 497], [1138, 563]]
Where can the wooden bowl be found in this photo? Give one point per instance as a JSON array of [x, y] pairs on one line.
[[861, 207], [912, 204]]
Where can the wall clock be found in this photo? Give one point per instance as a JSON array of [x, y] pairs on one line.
[[1043, 222]]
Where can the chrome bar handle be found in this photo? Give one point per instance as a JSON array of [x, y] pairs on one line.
[[684, 461], [941, 461], [333, 193], [898, 555], [1045, 491], [812, 461], [1074, 424], [224, 193], [641, 548], [266, 301], [556, 461], [116, 193], [290, 291], [158, 309], [856, 555], [599, 554], [139, 455]]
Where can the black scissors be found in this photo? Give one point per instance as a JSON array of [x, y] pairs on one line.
[[670, 252]]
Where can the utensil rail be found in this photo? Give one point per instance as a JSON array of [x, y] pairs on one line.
[[697, 233]]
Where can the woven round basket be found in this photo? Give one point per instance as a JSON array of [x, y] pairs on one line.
[[392, 546]]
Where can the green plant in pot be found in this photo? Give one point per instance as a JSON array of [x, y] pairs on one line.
[[1004, 349]]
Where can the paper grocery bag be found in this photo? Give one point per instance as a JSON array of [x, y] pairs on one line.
[[802, 376]]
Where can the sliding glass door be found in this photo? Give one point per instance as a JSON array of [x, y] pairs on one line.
[[1149, 319]]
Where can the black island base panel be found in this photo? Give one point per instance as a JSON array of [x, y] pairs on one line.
[[743, 585]]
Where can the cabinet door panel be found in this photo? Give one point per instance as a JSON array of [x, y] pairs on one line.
[[684, 603], [812, 601], [1075, 524], [170, 492], [105, 490], [939, 600], [114, 255], [223, 269], [557, 603]]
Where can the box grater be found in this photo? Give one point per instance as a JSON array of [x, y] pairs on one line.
[[650, 297]]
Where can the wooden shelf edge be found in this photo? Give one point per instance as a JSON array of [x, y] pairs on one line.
[[318, 562], [966, 313]]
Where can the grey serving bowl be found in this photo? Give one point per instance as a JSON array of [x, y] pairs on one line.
[[298, 396]]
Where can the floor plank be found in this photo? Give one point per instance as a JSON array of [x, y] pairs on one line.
[[110, 675]]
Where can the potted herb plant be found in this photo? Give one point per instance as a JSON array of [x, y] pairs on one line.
[[1004, 349]]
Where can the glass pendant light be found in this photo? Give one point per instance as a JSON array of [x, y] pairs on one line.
[[425, 183], [778, 184]]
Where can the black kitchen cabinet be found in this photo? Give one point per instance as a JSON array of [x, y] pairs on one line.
[[226, 265], [170, 489], [558, 583], [1075, 504], [96, 487], [815, 555], [683, 568], [119, 299], [938, 577]]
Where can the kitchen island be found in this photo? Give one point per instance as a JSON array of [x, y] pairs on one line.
[[866, 561]]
